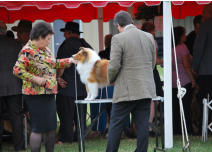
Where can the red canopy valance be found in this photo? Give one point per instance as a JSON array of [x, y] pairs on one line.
[[84, 10]]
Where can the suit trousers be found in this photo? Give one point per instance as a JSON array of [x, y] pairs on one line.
[[66, 109], [140, 110], [14, 106]]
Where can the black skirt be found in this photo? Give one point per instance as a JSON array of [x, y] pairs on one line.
[[42, 110]]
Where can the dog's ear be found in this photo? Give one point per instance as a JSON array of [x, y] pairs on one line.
[[81, 48]]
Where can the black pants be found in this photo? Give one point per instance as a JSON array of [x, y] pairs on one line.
[[187, 100], [140, 110], [205, 89], [108, 109], [14, 106], [66, 109]]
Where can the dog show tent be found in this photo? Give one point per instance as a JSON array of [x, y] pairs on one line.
[[104, 11], [86, 11]]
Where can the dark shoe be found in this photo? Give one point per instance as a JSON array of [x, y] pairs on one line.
[[151, 133]]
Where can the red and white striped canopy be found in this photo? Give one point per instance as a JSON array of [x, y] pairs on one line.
[[86, 11]]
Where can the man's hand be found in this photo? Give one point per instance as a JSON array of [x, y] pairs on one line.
[[62, 82]]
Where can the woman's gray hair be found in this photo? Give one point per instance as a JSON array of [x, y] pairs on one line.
[[122, 18], [41, 29]]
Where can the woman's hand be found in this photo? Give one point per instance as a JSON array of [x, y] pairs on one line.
[[62, 82], [193, 84], [39, 80], [71, 60], [194, 72]]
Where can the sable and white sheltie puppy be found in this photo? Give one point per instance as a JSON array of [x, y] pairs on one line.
[[92, 71]]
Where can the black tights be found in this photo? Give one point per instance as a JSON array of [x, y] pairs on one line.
[[48, 138]]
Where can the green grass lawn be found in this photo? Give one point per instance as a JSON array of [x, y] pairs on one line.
[[128, 145]]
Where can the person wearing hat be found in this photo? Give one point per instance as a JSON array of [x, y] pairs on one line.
[[130, 69], [10, 88], [23, 30], [66, 107]]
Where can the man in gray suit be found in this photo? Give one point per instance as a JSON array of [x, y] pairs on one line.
[[10, 87], [131, 70], [202, 57]]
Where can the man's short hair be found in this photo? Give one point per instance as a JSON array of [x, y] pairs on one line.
[[197, 19], [122, 18]]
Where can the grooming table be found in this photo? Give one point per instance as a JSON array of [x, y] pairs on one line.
[[82, 130]]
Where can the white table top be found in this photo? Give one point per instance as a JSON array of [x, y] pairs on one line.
[[108, 100], [94, 101]]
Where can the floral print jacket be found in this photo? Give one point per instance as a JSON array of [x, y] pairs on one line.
[[37, 62]]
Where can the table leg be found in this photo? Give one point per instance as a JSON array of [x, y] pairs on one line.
[[81, 136], [82, 118], [161, 125], [156, 125]]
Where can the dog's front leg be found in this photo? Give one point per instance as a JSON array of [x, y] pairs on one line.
[[88, 93]]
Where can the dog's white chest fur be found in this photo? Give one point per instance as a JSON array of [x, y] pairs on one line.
[[84, 69]]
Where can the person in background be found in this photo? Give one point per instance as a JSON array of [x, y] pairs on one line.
[[105, 54], [35, 66], [190, 39], [187, 80], [150, 28], [10, 88], [23, 30], [65, 100], [192, 35], [130, 69], [10, 34], [202, 55]]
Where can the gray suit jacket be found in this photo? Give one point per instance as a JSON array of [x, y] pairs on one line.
[[202, 55], [9, 49], [131, 65]]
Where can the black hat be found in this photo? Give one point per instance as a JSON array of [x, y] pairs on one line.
[[24, 25], [71, 26]]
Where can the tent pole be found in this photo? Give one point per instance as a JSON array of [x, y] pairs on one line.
[[167, 53], [100, 28], [52, 43]]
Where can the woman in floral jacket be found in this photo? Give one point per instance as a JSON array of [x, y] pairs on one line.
[[35, 66]]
